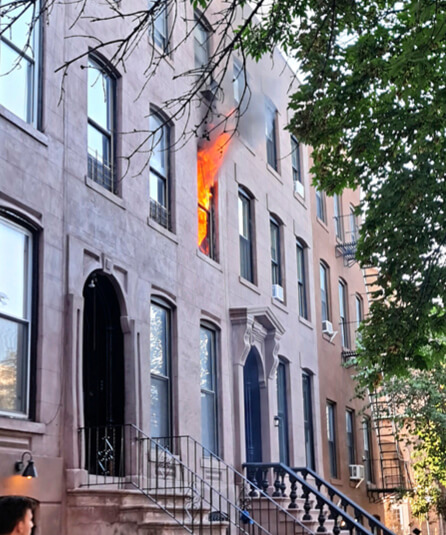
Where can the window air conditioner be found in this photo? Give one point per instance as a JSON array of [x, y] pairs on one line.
[[278, 292], [327, 328], [356, 472], [299, 188]]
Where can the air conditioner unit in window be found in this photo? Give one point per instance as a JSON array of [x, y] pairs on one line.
[[299, 188], [356, 472], [327, 327], [278, 292]]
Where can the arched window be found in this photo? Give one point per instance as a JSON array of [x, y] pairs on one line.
[[16, 316]]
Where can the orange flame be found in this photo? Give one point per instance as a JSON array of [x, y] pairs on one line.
[[209, 160]]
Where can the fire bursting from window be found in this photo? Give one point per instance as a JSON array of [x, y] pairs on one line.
[[209, 159]]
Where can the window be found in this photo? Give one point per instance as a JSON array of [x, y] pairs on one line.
[[208, 381], [245, 232], [239, 82], [350, 432], [320, 205], [19, 59], [159, 28], [359, 306], [343, 313], [207, 231], [325, 303], [160, 371], [337, 216], [354, 226], [296, 165], [271, 136], [331, 437], [367, 437], [159, 171], [276, 263], [201, 43], [101, 119], [282, 412], [301, 280], [308, 420], [16, 245]]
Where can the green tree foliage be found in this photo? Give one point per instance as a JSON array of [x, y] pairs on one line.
[[372, 104]]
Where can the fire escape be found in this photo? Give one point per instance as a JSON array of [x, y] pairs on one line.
[[347, 234], [395, 477]]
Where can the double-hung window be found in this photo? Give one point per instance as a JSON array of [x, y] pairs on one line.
[[276, 261], [239, 82], [16, 250], [325, 303], [208, 381], [271, 136], [101, 125], [245, 232], [338, 217], [160, 24], [368, 461], [296, 165], [301, 280], [19, 58], [331, 438], [307, 392], [201, 43], [350, 433], [359, 306], [160, 371], [320, 205], [343, 313], [159, 171]]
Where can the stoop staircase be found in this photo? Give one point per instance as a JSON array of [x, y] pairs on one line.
[[144, 486]]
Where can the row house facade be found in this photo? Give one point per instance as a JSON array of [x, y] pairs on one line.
[[137, 297]]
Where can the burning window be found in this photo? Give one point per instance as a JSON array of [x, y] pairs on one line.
[[209, 159]]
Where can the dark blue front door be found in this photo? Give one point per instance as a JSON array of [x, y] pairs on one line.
[[253, 429]]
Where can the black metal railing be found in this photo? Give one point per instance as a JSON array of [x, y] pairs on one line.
[[101, 173], [191, 484], [160, 214], [331, 505], [347, 234]]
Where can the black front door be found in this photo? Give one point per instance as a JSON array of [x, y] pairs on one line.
[[103, 376], [253, 428]]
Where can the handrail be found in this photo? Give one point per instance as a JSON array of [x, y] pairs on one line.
[[179, 475], [322, 500], [333, 491]]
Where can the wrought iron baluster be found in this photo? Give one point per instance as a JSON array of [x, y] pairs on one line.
[[321, 518]]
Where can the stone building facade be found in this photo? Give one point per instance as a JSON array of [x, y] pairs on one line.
[[111, 313]]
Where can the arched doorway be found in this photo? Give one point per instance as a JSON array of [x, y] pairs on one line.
[[253, 426], [103, 377]]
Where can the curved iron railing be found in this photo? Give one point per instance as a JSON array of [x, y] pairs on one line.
[[345, 516]]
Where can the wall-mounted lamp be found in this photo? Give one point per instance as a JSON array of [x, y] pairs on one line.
[[30, 470], [276, 421]]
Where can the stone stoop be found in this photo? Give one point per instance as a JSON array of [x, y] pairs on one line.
[[129, 512]]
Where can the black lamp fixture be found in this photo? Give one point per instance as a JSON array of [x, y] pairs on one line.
[[30, 470]]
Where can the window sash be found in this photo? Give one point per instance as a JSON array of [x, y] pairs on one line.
[[350, 433], [337, 216], [301, 282], [271, 137], [208, 381], [308, 420], [19, 87], [15, 317], [331, 438], [320, 205], [276, 268], [295, 160], [325, 310], [245, 233], [201, 45], [343, 315]]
